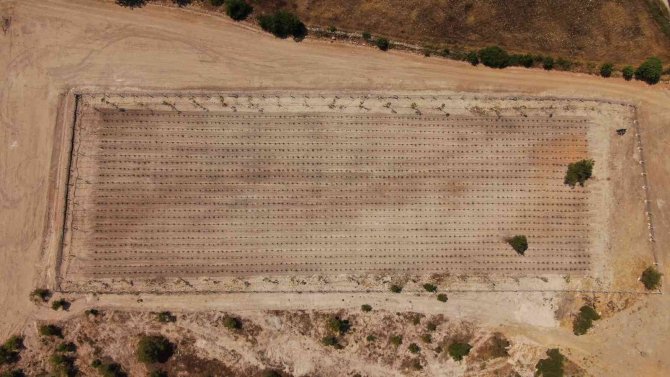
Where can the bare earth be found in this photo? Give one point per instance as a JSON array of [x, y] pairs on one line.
[[53, 46]]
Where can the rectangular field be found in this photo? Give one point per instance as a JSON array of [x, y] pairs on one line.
[[162, 193]]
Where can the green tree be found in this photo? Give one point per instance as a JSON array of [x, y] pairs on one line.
[[383, 44], [111, 370], [442, 297], [548, 63], [414, 348], [628, 72], [331, 341], [472, 58], [238, 10], [50, 330], [182, 3], [606, 69], [584, 320], [494, 57], [338, 325], [551, 366], [232, 323], [60, 304], [651, 278], [131, 3], [62, 366], [154, 349], [366, 308], [41, 294], [578, 172], [165, 317], [395, 288], [396, 340], [430, 287], [283, 24], [458, 350], [66, 347], [650, 71], [367, 36], [519, 244]]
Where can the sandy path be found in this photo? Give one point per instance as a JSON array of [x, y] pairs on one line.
[[53, 45]]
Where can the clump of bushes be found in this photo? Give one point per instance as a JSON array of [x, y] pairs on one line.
[[60, 304], [50, 330], [182, 3], [579, 172], [338, 325], [584, 320], [650, 71], [396, 340], [10, 350], [383, 44], [66, 347], [216, 3], [283, 24], [232, 323], [472, 58], [430, 287], [331, 341], [458, 350], [494, 57], [40, 294], [519, 244], [628, 72], [414, 348], [548, 63], [238, 10], [110, 369], [651, 278], [606, 69], [431, 326], [551, 366], [442, 297], [367, 36], [371, 338], [166, 317], [154, 349], [131, 3], [395, 288], [62, 365], [366, 308]]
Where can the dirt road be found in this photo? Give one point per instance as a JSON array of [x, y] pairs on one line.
[[53, 45]]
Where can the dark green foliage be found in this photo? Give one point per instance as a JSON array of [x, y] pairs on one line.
[[13, 373], [283, 24], [216, 3], [650, 71], [519, 244], [14, 343], [60, 304], [8, 356], [338, 325], [41, 294], [62, 366], [472, 58], [332, 29], [51, 330], [238, 10], [66, 347], [383, 44], [414, 348], [628, 72], [131, 3], [395, 288], [165, 317], [445, 52], [431, 326], [182, 3], [396, 340], [430, 287], [110, 370], [584, 320], [366, 35], [331, 341], [158, 373], [494, 57], [442, 297], [548, 63], [525, 60], [232, 323], [578, 172], [426, 338], [366, 308], [564, 64], [154, 349], [416, 320], [651, 278], [606, 69], [551, 366], [458, 351], [371, 338]]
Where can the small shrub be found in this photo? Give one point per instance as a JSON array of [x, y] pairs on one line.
[[50, 330], [232, 323], [519, 244], [238, 10], [14, 343], [283, 24], [650, 71], [564, 64], [414, 348], [371, 338], [431, 326], [416, 320], [331, 341], [332, 29], [154, 349], [396, 340], [181, 3], [472, 58], [606, 70], [131, 3], [8, 356], [442, 297], [92, 312], [551, 366], [525, 60], [426, 338], [584, 320], [578, 172], [110, 370], [60, 304], [66, 347], [494, 57], [367, 36], [383, 44], [62, 366], [337, 325], [628, 72], [426, 52], [548, 63], [430, 287], [395, 288], [445, 52], [216, 3], [458, 351], [165, 317], [651, 278], [366, 308], [41, 294]]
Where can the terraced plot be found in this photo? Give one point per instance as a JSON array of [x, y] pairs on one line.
[[165, 193]]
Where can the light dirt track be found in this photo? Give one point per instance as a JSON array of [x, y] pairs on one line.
[[53, 45]]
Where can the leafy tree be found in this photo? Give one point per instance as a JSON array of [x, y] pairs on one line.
[[606, 69], [283, 24], [396, 340], [50, 330], [414, 348], [430, 287], [548, 63], [472, 58], [41, 294], [442, 297], [165, 317], [182, 3], [383, 43], [551, 366], [525, 60], [331, 341], [337, 325], [154, 349], [66, 347], [579, 172], [8, 356], [131, 3], [494, 57], [367, 36], [366, 308], [111, 370], [651, 278], [232, 323], [62, 366], [395, 288], [60, 304], [14, 343], [238, 10], [519, 244], [650, 71], [628, 72], [458, 351], [584, 320]]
